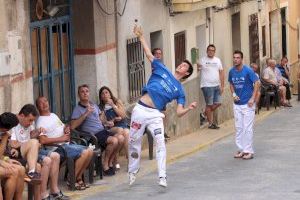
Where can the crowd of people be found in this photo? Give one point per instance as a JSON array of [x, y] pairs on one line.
[[27, 152]]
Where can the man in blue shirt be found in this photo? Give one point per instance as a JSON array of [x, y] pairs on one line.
[[162, 88], [244, 86]]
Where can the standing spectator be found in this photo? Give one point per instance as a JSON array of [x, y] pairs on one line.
[[211, 83], [256, 70], [11, 171], [285, 73], [24, 137], [162, 88], [113, 111], [86, 117], [56, 132], [244, 86]]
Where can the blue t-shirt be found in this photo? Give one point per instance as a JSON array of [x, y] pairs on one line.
[[282, 71], [242, 82], [92, 123], [163, 87]]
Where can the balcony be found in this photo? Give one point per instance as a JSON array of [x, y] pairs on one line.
[[192, 5]]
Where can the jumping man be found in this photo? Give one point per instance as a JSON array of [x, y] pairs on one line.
[[162, 88]]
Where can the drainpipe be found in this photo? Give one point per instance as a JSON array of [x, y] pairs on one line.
[[117, 47]]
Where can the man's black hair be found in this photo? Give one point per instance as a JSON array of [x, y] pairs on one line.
[[211, 45], [239, 52], [154, 50], [8, 120], [29, 109], [190, 70]]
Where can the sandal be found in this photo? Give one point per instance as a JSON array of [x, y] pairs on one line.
[[79, 186], [248, 156], [239, 155], [83, 184]]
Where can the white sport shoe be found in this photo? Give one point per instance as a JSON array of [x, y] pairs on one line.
[[162, 181], [132, 178]]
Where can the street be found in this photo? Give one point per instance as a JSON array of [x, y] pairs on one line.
[[214, 173]]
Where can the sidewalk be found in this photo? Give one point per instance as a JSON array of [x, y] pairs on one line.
[[176, 149]]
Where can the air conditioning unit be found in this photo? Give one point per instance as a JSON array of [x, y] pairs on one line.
[[234, 2]]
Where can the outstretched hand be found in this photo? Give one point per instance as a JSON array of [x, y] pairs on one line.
[[137, 30], [193, 105]]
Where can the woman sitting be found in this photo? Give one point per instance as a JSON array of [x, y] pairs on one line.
[[113, 115]]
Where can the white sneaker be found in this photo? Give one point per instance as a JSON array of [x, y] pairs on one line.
[[162, 182], [132, 178]]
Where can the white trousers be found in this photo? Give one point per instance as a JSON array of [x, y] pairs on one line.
[[141, 118], [244, 121]]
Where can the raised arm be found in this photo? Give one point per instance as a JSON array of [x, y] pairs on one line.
[[139, 33]]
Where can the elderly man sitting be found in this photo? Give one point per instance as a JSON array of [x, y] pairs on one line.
[[272, 76]]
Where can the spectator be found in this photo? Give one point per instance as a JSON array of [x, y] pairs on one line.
[[113, 111], [285, 74], [256, 70], [212, 84], [55, 132], [271, 77], [86, 117], [24, 138], [11, 172], [243, 86]]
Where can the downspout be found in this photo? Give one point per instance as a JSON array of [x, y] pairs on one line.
[[117, 47]]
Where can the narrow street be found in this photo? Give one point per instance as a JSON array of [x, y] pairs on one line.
[[215, 174]]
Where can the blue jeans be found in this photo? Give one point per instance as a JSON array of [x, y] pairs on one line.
[[212, 95]]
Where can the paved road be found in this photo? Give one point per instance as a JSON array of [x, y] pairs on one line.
[[214, 174]]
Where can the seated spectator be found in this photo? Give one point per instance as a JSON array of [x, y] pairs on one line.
[[11, 172], [271, 77], [285, 74], [86, 117], [55, 132], [24, 138], [113, 112]]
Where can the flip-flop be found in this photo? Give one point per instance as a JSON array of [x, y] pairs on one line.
[[239, 154]]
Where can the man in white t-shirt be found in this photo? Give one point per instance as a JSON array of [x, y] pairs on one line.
[[55, 132], [24, 136], [211, 83]]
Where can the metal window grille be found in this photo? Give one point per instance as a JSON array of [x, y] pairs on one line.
[[136, 68], [179, 41]]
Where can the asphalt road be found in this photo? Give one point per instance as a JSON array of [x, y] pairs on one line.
[[214, 173]]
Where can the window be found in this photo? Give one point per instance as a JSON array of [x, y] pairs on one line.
[[179, 40], [136, 68]]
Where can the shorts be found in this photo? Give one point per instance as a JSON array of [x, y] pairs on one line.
[[212, 95], [122, 124], [43, 153], [102, 137], [72, 150]]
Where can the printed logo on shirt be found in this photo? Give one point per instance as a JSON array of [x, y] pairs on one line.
[[238, 82], [157, 131], [136, 125]]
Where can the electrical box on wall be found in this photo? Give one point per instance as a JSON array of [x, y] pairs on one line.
[[4, 63], [15, 53], [195, 55]]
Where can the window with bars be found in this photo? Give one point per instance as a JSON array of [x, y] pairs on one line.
[[136, 68], [179, 41]]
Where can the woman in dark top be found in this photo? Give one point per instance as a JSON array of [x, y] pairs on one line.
[[113, 115]]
